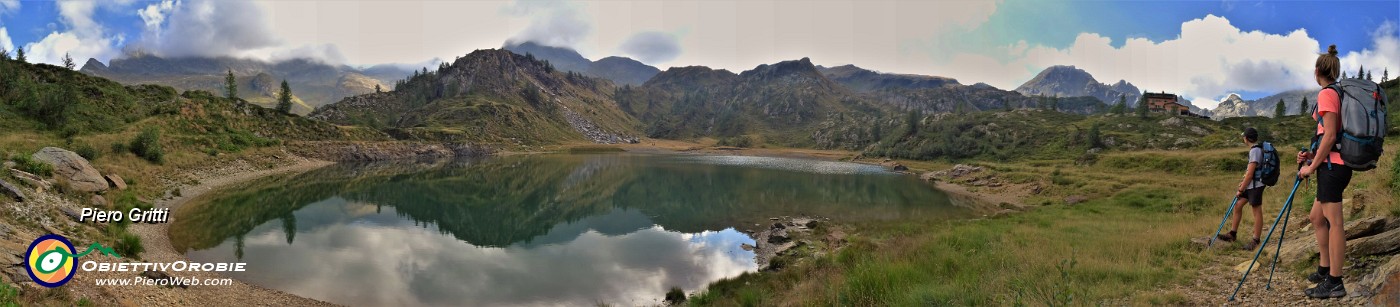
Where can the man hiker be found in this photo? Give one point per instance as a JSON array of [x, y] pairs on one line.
[[1251, 188]]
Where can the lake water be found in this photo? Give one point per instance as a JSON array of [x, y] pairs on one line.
[[566, 230]]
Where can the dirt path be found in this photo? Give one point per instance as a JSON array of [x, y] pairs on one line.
[[1216, 281], [159, 249]]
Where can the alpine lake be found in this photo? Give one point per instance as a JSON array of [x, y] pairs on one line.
[[532, 230]]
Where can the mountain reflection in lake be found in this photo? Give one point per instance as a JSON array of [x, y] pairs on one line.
[[526, 230]]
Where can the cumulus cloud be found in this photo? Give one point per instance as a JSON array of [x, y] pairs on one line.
[[5, 41], [652, 47], [1384, 52], [554, 23], [82, 38], [154, 14], [204, 28], [1210, 59]]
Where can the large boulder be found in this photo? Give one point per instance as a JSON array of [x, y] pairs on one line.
[[73, 169], [11, 191], [1381, 244], [116, 181]]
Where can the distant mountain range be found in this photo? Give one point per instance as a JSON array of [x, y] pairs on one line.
[[492, 96], [1234, 106], [621, 70], [1068, 81], [312, 82]]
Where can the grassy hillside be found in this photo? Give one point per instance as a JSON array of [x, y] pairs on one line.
[[1029, 134], [43, 105], [491, 96]]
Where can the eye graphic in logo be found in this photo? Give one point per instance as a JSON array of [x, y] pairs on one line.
[[50, 260]]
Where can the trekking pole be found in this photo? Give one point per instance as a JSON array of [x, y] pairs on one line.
[[1265, 244], [1282, 232], [1222, 220], [1287, 207]]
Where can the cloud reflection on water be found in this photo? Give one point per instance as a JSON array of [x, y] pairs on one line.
[[347, 253]]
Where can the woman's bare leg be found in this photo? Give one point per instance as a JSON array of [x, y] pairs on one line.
[[1337, 240], [1319, 223]]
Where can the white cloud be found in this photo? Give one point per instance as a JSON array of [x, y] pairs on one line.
[[652, 47], [1209, 59], [83, 37], [1384, 53], [5, 41], [154, 14], [552, 23], [205, 28]]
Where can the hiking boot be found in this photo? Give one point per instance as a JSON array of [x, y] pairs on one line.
[[1226, 237], [1251, 245], [1331, 287], [1319, 276]]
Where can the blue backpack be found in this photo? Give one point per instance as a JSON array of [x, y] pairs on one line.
[[1267, 171]]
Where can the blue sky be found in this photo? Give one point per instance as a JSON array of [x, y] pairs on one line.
[[1203, 50]]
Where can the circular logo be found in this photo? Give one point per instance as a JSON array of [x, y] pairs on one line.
[[50, 260]]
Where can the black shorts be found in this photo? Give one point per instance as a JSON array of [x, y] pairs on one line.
[[1255, 196], [1331, 182]]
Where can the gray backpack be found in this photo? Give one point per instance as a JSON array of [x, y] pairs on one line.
[[1364, 123]]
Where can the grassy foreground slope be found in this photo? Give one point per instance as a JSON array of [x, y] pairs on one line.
[[44, 105], [1104, 227]]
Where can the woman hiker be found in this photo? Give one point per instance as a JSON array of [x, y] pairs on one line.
[[1332, 178], [1251, 190]]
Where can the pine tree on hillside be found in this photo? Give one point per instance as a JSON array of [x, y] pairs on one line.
[[1142, 106], [1093, 137], [1361, 72], [284, 98], [1303, 106], [1368, 77], [68, 61], [4, 54], [1344, 75], [1280, 109], [1385, 75], [19, 55], [230, 86], [912, 122], [1122, 105]]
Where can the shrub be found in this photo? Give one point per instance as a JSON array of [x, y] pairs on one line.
[[28, 164], [738, 141], [129, 246], [675, 296], [147, 145], [87, 152], [119, 148], [9, 295], [1395, 178]]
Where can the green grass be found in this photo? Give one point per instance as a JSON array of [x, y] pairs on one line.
[[28, 164], [9, 296]]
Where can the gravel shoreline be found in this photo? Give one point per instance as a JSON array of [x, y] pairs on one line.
[[159, 249]]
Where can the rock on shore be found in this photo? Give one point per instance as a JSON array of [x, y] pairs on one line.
[[73, 169]]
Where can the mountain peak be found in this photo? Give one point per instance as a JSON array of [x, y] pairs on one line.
[[93, 65], [621, 70], [802, 67], [1070, 81], [866, 80]]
